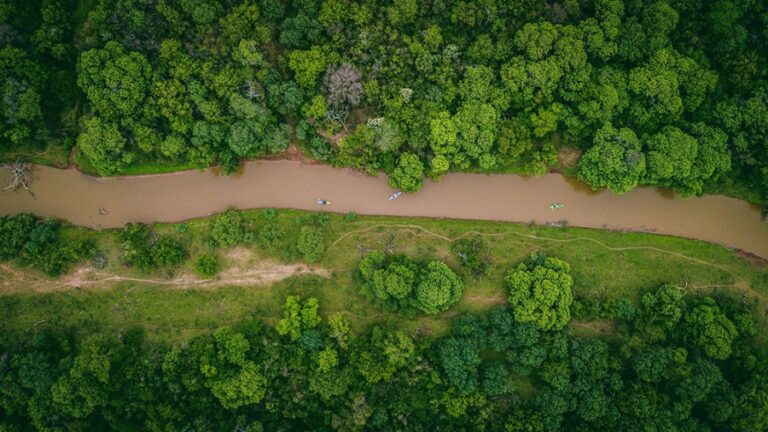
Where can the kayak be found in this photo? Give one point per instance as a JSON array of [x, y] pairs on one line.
[[395, 195], [555, 206], [323, 202]]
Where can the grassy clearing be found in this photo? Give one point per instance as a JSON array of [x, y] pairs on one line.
[[605, 264], [141, 166], [54, 154]]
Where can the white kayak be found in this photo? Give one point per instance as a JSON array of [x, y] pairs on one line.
[[395, 195]]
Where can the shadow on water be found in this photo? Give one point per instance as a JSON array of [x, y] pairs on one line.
[[580, 187]]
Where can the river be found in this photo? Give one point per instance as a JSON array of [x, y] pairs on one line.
[[71, 195]]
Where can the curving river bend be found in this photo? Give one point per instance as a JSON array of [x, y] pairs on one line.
[[71, 195]]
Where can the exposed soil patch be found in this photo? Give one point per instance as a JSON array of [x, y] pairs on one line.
[[568, 158], [294, 154], [753, 259]]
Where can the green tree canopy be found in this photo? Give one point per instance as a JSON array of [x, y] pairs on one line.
[[540, 292]]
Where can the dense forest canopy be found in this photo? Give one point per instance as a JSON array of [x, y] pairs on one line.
[[675, 364], [669, 93]]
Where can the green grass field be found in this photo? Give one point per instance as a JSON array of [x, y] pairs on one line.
[[604, 264]]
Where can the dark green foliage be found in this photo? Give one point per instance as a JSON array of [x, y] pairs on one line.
[[253, 377], [144, 249], [397, 283], [668, 93], [474, 254], [39, 244], [14, 234]]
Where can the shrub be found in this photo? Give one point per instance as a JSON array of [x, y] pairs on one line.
[[310, 244], [37, 243], [147, 251], [270, 236], [207, 265], [474, 254], [228, 228]]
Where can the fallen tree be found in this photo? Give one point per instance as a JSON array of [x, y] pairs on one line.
[[21, 176]]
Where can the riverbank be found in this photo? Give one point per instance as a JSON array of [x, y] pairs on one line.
[[606, 266], [78, 198]]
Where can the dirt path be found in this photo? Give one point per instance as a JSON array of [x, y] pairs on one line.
[[261, 274]]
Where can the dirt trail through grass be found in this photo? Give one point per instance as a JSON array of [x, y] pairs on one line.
[[263, 274]]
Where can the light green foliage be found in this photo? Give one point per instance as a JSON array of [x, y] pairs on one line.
[[315, 108], [327, 359], [671, 155], [340, 330], [104, 146], [384, 354], [307, 65], [298, 317], [115, 80], [439, 288], [228, 372], [207, 265], [409, 173], [615, 161], [540, 292], [228, 228], [311, 244], [710, 330], [357, 150]]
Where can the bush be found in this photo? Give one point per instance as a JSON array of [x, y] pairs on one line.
[[270, 236], [269, 213], [310, 244], [14, 233], [207, 265], [474, 254], [228, 228], [37, 243], [168, 252], [145, 250]]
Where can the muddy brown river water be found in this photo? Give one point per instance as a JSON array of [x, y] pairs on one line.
[[76, 197]]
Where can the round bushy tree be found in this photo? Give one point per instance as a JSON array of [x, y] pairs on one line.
[[438, 288], [540, 292], [397, 283]]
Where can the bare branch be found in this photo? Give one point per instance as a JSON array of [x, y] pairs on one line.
[[21, 176]]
